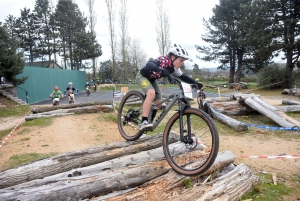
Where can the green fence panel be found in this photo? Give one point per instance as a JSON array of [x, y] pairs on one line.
[[41, 81]]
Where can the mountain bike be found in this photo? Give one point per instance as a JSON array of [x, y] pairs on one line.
[[190, 137], [88, 90]]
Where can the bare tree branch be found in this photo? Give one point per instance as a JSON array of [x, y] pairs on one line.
[[163, 28]]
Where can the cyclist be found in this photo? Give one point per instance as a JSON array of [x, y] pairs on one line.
[[70, 89], [163, 66], [56, 94], [87, 85], [95, 86]]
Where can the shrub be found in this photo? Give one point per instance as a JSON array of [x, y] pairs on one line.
[[271, 77]]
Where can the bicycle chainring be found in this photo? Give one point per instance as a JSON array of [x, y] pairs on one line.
[[132, 116]]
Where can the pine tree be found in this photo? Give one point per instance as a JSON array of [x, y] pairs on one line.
[[11, 59], [70, 22], [28, 32]]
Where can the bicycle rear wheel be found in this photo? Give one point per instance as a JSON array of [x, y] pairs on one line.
[[130, 115], [196, 156]]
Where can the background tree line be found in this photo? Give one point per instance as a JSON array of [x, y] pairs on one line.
[[245, 35], [49, 30]]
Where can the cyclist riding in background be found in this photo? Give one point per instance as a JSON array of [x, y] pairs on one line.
[[163, 66], [70, 89], [56, 94], [87, 85]]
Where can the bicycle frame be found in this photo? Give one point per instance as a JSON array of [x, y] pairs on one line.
[[176, 97]]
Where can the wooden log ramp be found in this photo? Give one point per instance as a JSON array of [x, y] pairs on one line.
[[124, 171]]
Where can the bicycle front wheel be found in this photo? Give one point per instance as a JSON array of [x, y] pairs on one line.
[[130, 115], [196, 155]]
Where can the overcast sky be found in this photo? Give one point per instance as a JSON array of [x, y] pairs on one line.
[[185, 18]]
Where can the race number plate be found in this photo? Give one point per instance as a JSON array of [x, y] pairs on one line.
[[187, 90]]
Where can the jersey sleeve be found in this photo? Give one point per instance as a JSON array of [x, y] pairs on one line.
[[187, 79]]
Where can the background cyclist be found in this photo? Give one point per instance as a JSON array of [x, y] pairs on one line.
[[56, 94], [70, 89]]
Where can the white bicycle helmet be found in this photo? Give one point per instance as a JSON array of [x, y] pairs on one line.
[[70, 83], [179, 51]]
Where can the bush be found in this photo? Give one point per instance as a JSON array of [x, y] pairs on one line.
[[271, 77], [251, 78]]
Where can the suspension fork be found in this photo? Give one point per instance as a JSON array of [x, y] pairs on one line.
[[181, 110]]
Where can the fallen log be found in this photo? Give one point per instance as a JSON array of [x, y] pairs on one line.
[[289, 108], [290, 91], [288, 118], [266, 105], [276, 118], [236, 125], [159, 188], [91, 184], [50, 108], [79, 110], [73, 160], [230, 186], [290, 102], [232, 108], [37, 116], [244, 96]]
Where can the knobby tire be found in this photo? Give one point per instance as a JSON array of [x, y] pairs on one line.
[[128, 121], [192, 158]]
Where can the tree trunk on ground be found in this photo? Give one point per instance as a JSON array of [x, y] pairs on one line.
[[288, 118], [235, 96], [101, 182], [50, 108], [78, 110], [290, 102], [79, 159], [236, 125], [161, 187], [290, 108], [231, 108], [268, 113], [37, 116]]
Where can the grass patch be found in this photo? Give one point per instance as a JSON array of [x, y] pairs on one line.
[[44, 145], [25, 130], [5, 132], [21, 159], [99, 136], [41, 122], [19, 110], [267, 190], [25, 139], [12, 108], [110, 117], [93, 127]]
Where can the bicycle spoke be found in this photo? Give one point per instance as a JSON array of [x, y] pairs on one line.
[[199, 153], [129, 115]]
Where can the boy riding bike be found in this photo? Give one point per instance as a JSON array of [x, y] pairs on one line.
[[70, 89], [163, 66], [56, 94]]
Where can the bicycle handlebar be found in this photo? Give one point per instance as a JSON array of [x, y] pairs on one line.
[[193, 85]]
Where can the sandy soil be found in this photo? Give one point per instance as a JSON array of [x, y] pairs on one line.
[[75, 132]]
